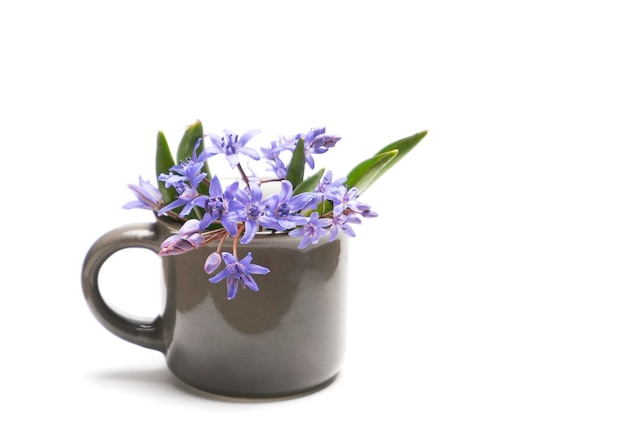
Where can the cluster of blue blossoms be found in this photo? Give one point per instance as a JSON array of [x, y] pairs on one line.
[[240, 210]]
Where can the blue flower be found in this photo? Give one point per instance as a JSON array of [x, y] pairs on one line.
[[280, 210], [237, 272], [185, 199], [328, 184], [220, 206], [306, 201], [342, 222], [368, 212], [276, 147], [188, 171], [310, 200], [253, 209], [231, 145], [272, 155], [322, 142], [311, 231], [316, 141], [344, 199], [148, 196]]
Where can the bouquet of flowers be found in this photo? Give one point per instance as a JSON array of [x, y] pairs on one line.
[[308, 204]]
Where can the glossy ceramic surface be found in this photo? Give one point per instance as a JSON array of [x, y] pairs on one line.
[[286, 339]]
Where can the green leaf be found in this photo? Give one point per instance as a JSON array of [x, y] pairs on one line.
[[295, 171], [188, 141], [310, 183], [403, 146], [164, 162], [366, 172]]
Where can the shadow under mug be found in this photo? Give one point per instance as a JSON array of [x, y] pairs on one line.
[[286, 339]]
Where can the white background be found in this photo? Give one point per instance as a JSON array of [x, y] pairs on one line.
[[488, 299]]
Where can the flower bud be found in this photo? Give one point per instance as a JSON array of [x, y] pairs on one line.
[[212, 262]]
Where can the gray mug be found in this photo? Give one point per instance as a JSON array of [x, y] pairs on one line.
[[286, 339]]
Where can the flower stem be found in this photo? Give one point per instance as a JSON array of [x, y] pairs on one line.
[[243, 174], [236, 239], [219, 246], [210, 236]]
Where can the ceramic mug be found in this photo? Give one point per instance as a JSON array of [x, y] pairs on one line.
[[286, 339]]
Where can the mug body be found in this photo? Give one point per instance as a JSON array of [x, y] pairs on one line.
[[287, 338]]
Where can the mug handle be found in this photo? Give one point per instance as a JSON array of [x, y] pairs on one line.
[[148, 334]]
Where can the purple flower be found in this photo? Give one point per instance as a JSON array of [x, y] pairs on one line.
[[369, 212], [328, 184], [279, 168], [231, 145], [148, 196], [220, 206], [239, 271], [344, 199], [312, 230], [310, 200], [306, 201], [280, 145], [280, 210], [188, 171], [253, 209], [185, 199], [272, 155], [188, 238], [342, 222], [323, 142], [316, 141]]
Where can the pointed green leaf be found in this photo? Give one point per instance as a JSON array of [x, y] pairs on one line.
[[403, 146], [366, 172], [309, 183], [295, 171], [187, 143], [164, 162]]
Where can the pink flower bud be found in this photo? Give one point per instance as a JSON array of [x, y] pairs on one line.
[[212, 262]]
